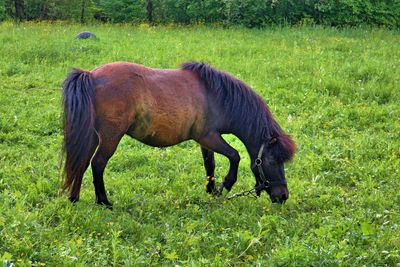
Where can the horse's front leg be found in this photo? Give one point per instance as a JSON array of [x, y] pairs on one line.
[[209, 164], [214, 141]]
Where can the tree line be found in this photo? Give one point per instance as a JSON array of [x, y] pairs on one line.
[[249, 13]]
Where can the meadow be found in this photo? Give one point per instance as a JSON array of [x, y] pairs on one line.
[[336, 91]]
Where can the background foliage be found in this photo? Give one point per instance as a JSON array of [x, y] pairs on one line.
[[335, 91], [249, 13]]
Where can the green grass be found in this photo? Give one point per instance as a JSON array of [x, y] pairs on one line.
[[335, 91]]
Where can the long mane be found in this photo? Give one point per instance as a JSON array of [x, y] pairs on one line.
[[242, 104]]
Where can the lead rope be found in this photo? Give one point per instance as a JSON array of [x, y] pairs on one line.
[[251, 193], [265, 184]]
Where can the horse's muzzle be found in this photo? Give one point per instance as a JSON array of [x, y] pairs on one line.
[[279, 196]]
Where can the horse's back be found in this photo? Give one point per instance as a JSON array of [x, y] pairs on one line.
[[157, 107]]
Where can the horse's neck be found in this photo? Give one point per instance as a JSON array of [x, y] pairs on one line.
[[252, 141]]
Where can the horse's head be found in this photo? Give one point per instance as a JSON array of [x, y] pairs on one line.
[[268, 167]]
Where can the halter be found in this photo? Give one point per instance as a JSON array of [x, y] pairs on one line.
[[258, 163]]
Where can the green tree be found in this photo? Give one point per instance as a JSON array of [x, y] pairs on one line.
[[123, 10], [2, 10]]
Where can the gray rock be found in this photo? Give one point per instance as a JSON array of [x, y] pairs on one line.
[[85, 35]]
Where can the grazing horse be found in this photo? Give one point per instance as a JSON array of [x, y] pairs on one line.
[[163, 107]]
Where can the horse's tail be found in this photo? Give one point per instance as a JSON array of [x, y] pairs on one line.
[[80, 138]]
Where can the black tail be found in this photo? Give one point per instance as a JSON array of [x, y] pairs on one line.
[[80, 138]]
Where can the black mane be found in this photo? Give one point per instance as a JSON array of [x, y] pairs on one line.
[[242, 104]]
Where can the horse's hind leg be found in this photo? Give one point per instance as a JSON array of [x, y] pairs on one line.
[[209, 164], [108, 145], [215, 142]]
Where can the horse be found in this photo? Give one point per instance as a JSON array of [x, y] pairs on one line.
[[164, 107]]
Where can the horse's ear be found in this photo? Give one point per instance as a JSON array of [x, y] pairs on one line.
[[272, 141], [268, 137]]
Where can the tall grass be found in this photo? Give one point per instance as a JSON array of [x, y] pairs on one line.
[[335, 91]]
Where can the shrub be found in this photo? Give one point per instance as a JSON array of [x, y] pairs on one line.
[[249, 13], [122, 10]]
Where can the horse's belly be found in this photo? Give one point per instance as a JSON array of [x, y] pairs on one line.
[[157, 140], [160, 133]]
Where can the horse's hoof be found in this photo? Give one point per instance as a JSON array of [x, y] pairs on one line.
[[73, 199], [218, 190], [210, 184], [105, 203]]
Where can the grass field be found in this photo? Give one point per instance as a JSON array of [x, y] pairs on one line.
[[337, 92]]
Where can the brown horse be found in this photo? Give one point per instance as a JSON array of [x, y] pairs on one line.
[[163, 108]]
